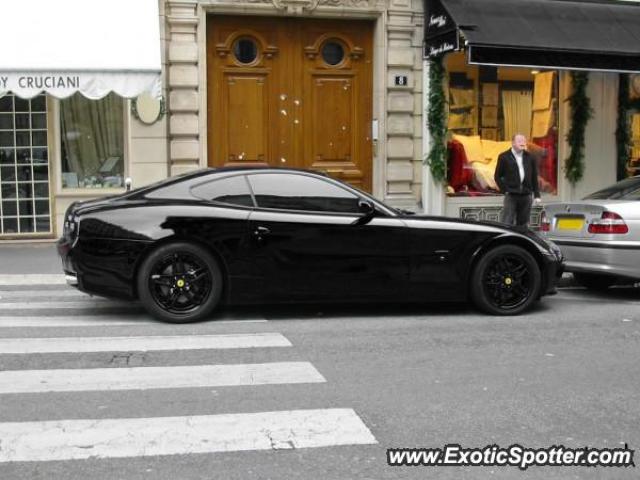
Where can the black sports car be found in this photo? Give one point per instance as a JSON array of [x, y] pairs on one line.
[[186, 244]]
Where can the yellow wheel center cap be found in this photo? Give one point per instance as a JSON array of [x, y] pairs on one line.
[[180, 283], [508, 281]]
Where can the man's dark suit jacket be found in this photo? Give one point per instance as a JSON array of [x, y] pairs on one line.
[[508, 177]]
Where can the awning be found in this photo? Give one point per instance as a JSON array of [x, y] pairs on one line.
[[569, 34], [87, 46]]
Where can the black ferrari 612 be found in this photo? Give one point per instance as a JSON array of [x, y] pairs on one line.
[[187, 244]]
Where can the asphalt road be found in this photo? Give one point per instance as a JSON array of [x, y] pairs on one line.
[[564, 374]]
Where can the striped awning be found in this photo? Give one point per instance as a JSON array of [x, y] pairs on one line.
[[89, 46]]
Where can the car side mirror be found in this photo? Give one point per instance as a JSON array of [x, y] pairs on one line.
[[367, 209]]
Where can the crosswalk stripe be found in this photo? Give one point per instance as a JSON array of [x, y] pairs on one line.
[[140, 343], [33, 279], [98, 320], [145, 378], [89, 303], [133, 437]]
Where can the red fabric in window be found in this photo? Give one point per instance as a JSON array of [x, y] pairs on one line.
[[547, 163], [459, 173]]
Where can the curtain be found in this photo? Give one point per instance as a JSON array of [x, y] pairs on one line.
[[92, 133], [516, 110]]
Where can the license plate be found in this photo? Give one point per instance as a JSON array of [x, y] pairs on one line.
[[570, 224]]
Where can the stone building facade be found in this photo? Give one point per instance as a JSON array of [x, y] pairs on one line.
[[381, 73], [397, 109]]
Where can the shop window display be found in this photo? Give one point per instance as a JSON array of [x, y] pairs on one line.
[[92, 145], [487, 106], [633, 165]]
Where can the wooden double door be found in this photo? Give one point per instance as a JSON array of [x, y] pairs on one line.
[[291, 93]]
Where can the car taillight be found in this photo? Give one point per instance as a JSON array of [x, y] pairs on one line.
[[70, 227], [71, 223], [609, 222], [545, 224]]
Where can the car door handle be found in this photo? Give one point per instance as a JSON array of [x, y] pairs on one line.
[[261, 232], [443, 255]]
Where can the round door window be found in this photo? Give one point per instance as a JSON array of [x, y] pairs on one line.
[[245, 50], [332, 52]]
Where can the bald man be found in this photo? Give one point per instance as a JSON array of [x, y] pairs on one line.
[[517, 177]]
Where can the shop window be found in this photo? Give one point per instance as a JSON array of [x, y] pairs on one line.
[[24, 166], [92, 147], [633, 165], [487, 106]]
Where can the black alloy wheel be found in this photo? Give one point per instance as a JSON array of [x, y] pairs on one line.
[[505, 281], [180, 283]]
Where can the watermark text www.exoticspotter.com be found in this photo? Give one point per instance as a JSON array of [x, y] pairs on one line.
[[513, 456]]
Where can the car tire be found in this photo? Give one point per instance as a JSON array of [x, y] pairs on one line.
[[180, 283], [505, 281], [594, 281]]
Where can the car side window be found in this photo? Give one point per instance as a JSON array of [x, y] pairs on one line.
[[635, 195], [627, 189], [288, 191], [229, 190]]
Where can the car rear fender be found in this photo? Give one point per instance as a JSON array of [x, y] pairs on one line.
[[506, 239], [152, 247]]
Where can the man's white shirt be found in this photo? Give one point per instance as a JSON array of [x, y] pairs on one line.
[[520, 162]]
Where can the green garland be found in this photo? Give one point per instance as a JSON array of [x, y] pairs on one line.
[[581, 112], [436, 118], [623, 139]]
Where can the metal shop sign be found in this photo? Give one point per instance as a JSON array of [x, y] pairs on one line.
[[447, 42], [441, 32], [437, 19], [39, 82]]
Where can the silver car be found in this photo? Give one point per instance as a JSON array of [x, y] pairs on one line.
[[600, 235]]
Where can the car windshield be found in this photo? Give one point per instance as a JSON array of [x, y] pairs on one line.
[[627, 189]]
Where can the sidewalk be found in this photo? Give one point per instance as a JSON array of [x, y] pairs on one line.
[[29, 258]]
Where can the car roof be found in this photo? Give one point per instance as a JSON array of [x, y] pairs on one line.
[[180, 185], [208, 171], [266, 169]]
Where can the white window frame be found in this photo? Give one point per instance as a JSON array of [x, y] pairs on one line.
[[55, 155]]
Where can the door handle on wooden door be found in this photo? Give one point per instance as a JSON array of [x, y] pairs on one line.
[[374, 136]]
